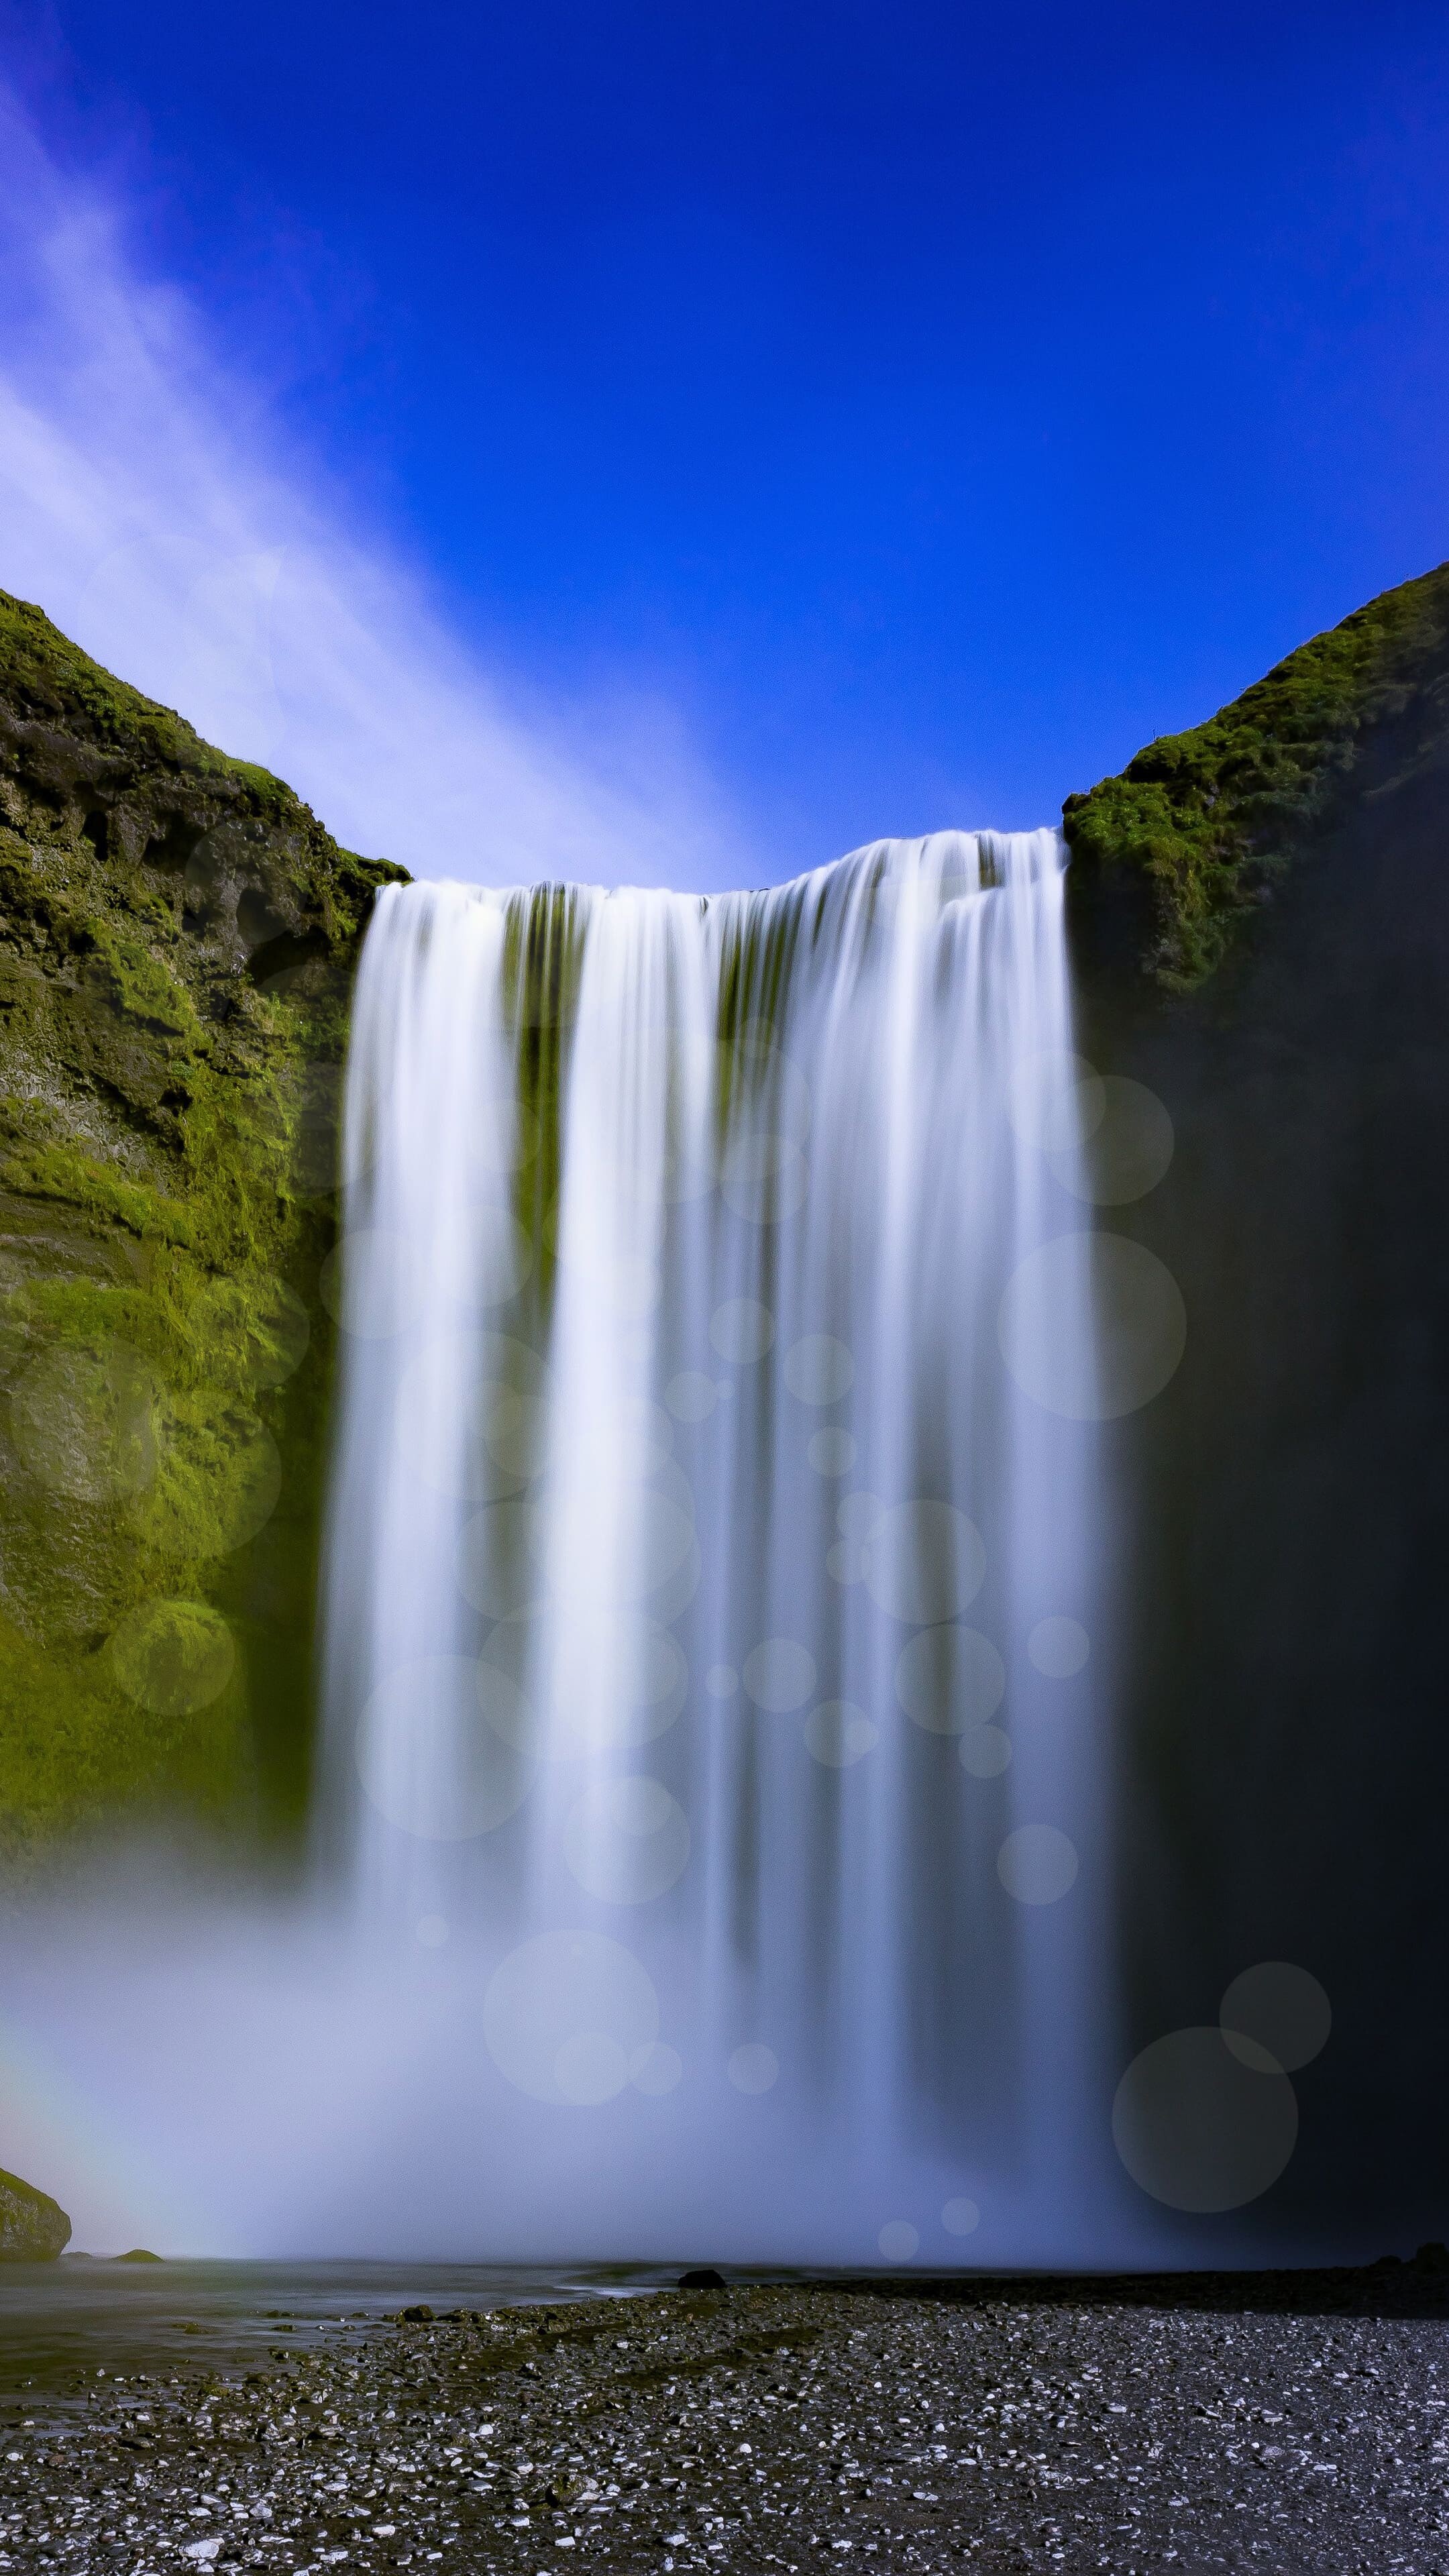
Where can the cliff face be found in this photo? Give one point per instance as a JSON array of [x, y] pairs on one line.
[[1282, 1751], [1202, 825], [177, 939]]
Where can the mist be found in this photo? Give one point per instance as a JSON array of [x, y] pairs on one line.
[[207, 2068]]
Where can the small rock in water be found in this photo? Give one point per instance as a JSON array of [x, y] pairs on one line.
[[418, 2316], [33, 2227], [139, 2254], [704, 2277]]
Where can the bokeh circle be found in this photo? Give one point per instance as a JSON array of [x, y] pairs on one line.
[[1276, 2009], [172, 1657], [567, 2015], [950, 1678], [1138, 1327], [1197, 2128], [1058, 1648], [627, 1840], [1037, 1864]]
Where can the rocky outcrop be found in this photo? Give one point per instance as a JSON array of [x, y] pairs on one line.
[[177, 939], [1284, 1505], [1202, 824], [33, 2227]]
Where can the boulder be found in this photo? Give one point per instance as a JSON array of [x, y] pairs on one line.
[[33, 2227]]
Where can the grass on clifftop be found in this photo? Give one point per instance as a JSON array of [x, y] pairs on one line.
[[1206, 815], [46, 675]]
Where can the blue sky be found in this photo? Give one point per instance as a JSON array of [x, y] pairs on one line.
[[914, 408]]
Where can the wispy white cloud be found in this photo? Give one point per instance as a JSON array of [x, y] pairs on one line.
[[151, 509]]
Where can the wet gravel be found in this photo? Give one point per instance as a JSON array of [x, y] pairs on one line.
[[786, 2428]]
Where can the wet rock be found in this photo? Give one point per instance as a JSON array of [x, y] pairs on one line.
[[703, 2277], [572, 2486], [33, 2227], [139, 2254]]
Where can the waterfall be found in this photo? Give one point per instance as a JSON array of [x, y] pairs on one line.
[[710, 1603]]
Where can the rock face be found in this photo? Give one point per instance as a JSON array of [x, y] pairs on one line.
[[33, 2227], [1280, 1736], [1204, 823], [177, 939]]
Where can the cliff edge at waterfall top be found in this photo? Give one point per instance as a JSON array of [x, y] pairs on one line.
[[1203, 824], [178, 936]]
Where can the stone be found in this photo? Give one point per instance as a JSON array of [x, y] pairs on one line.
[[33, 2227]]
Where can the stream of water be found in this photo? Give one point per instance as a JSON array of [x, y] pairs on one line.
[[711, 1598]]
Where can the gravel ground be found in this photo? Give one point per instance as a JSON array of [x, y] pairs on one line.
[[991, 2426]]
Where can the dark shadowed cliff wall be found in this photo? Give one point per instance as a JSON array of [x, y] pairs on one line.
[[1284, 1719]]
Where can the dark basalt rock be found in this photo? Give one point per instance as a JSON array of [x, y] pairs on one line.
[[1279, 1754], [33, 2227]]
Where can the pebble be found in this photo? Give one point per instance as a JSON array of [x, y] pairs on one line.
[[773, 2428]]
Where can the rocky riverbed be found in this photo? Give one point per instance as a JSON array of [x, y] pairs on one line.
[[1134, 2427]]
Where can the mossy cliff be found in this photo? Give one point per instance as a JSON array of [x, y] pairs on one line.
[[177, 940], [1282, 1508], [1203, 822]]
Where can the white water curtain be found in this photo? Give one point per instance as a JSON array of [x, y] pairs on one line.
[[691, 1523]]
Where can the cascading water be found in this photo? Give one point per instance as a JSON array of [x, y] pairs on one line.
[[709, 1600]]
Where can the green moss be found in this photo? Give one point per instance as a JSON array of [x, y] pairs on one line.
[[542, 964], [71, 1179], [76, 1749], [134, 981], [178, 936], [1206, 818], [47, 676]]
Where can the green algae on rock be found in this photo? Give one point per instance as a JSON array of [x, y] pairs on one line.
[[177, 940], [1208, 817], [33, 2227]]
